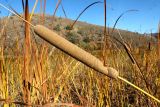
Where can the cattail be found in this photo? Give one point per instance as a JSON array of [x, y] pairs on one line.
[[74, 51]]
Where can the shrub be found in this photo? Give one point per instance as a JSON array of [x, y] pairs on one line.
[[86, 39], [73, 37], [68, 27], [80, 32], [57, 28]]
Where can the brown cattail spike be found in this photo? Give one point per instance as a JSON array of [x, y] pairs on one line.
[[74, 51]]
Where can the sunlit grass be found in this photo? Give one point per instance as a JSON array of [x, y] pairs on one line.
[[54, 78]]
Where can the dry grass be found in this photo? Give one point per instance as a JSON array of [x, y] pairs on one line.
[[48, 78], [26, 74]]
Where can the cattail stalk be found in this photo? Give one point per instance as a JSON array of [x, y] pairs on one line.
[[26, 71]]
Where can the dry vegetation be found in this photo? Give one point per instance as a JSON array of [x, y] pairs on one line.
[[34, 73]]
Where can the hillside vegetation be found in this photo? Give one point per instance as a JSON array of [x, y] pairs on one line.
[[86, 35]]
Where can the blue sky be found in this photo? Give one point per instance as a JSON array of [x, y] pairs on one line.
[[145, 20]]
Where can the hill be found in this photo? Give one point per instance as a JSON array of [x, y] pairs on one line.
[[86, 35]]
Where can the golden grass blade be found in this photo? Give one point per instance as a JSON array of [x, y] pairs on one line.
[[141, 90], [61, 88], [15, 13], [35, 5]]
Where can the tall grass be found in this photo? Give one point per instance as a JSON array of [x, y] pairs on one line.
[[26, 74], [38, 77]]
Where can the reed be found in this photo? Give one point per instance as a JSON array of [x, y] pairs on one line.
[[26, 75]]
